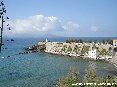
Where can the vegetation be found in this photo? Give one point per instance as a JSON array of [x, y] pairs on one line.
[[110, 79], [64, 48], [104, 52], [75, 41], [89, 41], [110, 48], [110, 42], [94, 47], [76, 49], [90, 77], [59, 43], [107, 41], [103, 41], [69, 49], [72, 78], [85, 50]]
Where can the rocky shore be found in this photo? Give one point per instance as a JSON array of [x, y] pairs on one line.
[[113, 60]]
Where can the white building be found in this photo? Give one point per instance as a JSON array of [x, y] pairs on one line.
[[115, 42], [92, 53], [46, 40]]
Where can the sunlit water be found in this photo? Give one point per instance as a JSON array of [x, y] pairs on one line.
[[41, 69]]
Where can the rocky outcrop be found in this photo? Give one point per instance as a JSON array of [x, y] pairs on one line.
[[40, 47]]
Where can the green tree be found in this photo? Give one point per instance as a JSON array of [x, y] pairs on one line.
[[64, 48], [90, 41], [74, 40], [109, 79], [72, 78], [110, 42], [69, 49], [103, 41], [104, 52], [80, 41], [85, 50], [90, 75], [95, 41], [76, 49]]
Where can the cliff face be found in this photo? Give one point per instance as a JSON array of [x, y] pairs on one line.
[[76, 49], [62, 48]]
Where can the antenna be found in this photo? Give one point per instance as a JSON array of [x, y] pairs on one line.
[[2, 20]]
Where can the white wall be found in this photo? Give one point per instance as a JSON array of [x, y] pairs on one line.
[[92, 54]]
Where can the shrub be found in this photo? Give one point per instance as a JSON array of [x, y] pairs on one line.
[[85, 50], [90, 77], [64, 48], [72, 78], [104, 52], [69, 49]]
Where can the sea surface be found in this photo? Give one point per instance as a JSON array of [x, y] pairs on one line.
[[42, 69]]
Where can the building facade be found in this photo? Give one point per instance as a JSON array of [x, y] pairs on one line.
[[92, 54], [115, 42]]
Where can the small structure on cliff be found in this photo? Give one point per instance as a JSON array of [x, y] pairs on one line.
[[92, 54], [114, 42], [46, 40]]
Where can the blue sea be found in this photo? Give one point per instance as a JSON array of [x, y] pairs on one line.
[[42, 69]]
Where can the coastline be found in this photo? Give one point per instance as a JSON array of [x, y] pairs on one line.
[[76, 50], [86, 58], [113, 61], [77, 57]]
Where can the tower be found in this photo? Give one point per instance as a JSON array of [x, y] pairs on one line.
[[46, 40]]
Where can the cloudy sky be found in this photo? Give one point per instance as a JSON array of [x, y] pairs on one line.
[[69, 18]]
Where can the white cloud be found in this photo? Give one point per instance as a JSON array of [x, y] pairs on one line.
[[39, 25], [94, 28], [71, 26]]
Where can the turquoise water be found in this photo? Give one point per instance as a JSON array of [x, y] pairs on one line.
[[41, 69]]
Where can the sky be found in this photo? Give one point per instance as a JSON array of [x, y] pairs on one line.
[[66, 18]]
